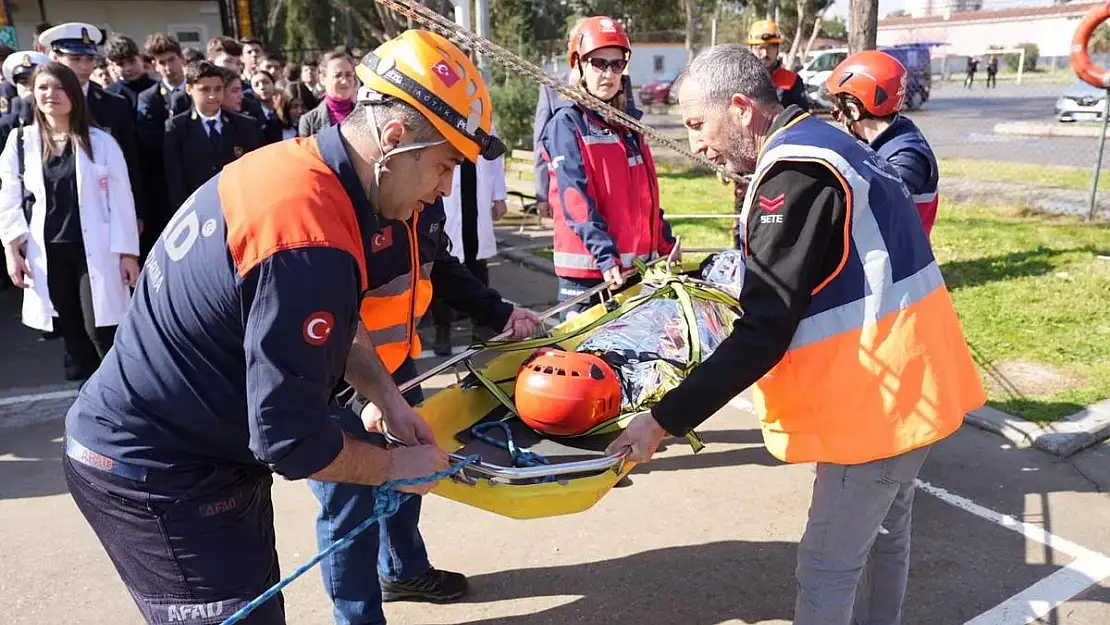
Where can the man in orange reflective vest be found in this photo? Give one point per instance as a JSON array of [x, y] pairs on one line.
[[240, 330], [408, 259], [848, 335]]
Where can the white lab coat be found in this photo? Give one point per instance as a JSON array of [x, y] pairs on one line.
[[490, 187], [108, 223]]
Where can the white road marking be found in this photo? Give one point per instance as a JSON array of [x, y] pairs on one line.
[[1088, 568], [1046, 595]]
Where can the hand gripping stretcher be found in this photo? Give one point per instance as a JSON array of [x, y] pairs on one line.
[[523, 474]]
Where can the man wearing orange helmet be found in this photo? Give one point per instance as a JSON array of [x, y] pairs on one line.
[[764, 40], [867, 90], [849, 338], [601, 177], [241, 328]]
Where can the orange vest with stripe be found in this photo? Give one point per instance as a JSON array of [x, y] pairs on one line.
[[878, 365], [397, 288], [309, 208], [400, 286]]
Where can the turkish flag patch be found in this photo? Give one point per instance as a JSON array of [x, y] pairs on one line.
[[381, 239], [445, 73], [771, 205], [317, 328]]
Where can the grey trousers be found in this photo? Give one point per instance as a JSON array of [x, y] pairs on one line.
[[854, 558]]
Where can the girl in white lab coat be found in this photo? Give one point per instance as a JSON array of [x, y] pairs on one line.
[[74, 248]]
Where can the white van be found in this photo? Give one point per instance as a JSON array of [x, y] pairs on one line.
[[816, 71]]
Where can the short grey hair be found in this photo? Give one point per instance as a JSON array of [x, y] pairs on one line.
[[726, 69], [413, 120]]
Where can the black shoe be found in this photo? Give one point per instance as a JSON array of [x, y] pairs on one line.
[[443, 341], [435, 586]]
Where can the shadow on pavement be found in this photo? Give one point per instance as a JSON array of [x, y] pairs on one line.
[[35, 467], [691, 585]]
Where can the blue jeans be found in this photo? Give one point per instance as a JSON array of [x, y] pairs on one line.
[[396, 546], [569, 288]]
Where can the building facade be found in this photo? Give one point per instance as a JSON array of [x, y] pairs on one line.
[[973, 33]]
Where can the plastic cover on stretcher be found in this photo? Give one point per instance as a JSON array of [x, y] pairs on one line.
[[650, 348]]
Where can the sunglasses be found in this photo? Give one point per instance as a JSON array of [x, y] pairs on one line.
[[600, 65]]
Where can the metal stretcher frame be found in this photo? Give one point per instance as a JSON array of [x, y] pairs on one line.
[[497, 488]]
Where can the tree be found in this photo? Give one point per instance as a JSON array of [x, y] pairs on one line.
[[863, 28], [834, 28]]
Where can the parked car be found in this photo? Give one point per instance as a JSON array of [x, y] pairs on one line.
[[915, 56], [1081, 102], [658, 91]]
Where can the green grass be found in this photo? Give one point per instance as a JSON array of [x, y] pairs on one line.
[[1058, 176], [1029, 288]]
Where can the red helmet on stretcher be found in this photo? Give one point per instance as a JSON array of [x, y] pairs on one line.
[[566, 393]]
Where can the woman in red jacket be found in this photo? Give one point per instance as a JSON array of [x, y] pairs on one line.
[[603, 189]]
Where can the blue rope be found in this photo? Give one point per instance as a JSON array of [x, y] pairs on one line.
[[521, 457], [387, 500]]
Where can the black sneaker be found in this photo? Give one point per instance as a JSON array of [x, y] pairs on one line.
[[435, 586]]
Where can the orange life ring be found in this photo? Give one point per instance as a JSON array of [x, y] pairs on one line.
[[1080, 59]]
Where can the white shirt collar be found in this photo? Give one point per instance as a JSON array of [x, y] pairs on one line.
[[204, 121], [85, 88], [167, 85]]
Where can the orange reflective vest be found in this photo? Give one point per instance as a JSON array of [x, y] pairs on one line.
[[400, 291], [878, 365]]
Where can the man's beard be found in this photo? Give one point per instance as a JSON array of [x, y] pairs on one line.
[[742, 152]]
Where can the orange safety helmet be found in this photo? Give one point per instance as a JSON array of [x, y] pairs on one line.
[[764, 32], [876, 79], [594, 33], [429, 73], [566, 393]]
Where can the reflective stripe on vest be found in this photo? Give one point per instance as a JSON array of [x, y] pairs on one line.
[[392, 311], [570, 260], [880, 366]]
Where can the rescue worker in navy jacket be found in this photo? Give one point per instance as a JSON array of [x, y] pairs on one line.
[[868, 89], [123, 56], [244, 321], [200, 142], [74, 45]]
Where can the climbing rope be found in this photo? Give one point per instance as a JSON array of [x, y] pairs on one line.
[[387, 500], [520, 457], [452, 31]]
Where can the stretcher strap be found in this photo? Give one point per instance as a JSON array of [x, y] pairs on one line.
[[493, 387], [690, 324]]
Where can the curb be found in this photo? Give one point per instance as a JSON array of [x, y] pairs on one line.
[[1063, 438], [1045, 129], [529, 260]]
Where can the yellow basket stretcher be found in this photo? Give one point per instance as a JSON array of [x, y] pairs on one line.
[[579, 473]]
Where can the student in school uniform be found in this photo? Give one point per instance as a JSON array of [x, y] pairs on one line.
[[199, 143], [124, 59], [262, 83]]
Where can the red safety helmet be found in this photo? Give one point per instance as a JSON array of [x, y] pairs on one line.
[[572, 42], [566, 393], [594, 33], [876, 79]]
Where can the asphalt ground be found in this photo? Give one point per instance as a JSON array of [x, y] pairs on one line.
[[1002, 536]]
